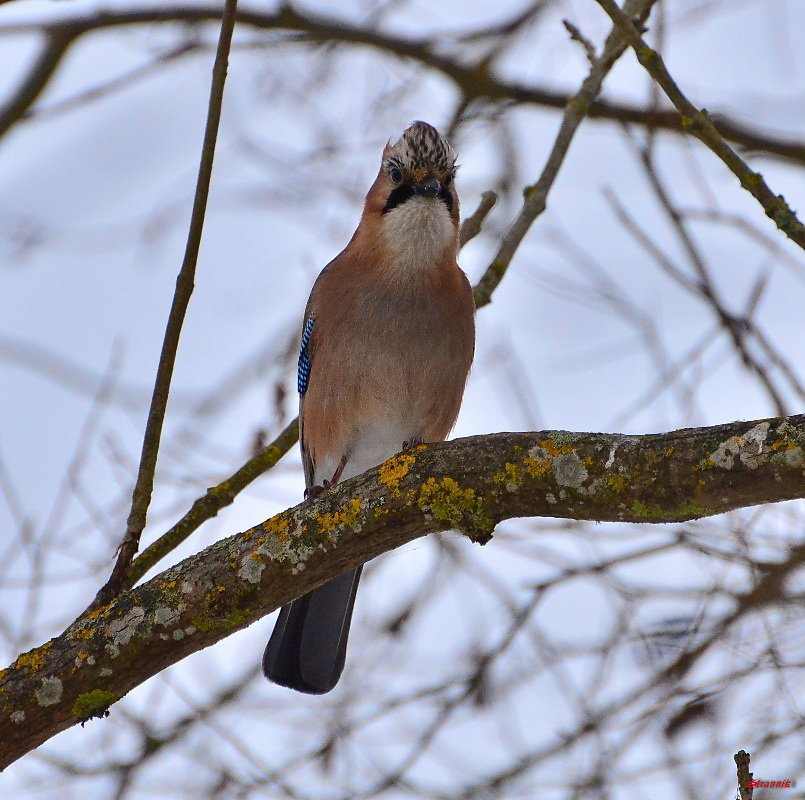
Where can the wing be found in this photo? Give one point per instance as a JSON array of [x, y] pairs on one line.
[[302, 380]]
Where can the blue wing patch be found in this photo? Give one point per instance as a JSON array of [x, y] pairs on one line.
[[303, 370]]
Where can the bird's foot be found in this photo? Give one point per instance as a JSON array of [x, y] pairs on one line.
[[312, 492]]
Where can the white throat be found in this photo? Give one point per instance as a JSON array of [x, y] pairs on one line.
[[417, 232]]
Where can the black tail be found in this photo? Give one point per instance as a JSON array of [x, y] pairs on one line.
[[307, 649]]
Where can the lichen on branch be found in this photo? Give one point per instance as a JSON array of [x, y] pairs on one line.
[[470, 484]]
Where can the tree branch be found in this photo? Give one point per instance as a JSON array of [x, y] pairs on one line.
[[216, 498], [468, 484], [698, 122], [185, 282], [57, 42], [745, 789], [475, 82], [536, 195]]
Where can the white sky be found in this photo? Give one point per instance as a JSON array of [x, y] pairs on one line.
[[100, 195]]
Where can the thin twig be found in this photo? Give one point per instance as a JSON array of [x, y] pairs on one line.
[[577, 36], [143, 488], [698, 122], [471, 226], [737, 328], [536, 195], [216, 498]]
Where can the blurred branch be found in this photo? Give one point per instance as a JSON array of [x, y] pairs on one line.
[[57, 43], [739, 327], [577, 36], [72, 376], [698, 122], [467, 484], [143, 487], [475, 80], [112, 86]]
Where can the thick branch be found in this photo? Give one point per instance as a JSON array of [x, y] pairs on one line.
[[469, 484]]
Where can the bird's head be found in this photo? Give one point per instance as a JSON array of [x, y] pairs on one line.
[[414, 200]]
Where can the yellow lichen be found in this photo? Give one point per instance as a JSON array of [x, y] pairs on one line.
[[509, 476], [391, 472], [97, 612], [616, 482], [34, 659], [277, 525], [780, 443], [458, 507], [537, 466], [669, 452], [554, 448], [345, 517]]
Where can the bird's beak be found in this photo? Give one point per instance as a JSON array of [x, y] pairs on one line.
[[428, 188]]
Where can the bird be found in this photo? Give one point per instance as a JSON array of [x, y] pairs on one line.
[[387, 341]]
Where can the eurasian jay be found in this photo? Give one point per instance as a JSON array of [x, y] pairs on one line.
[[387, 341]]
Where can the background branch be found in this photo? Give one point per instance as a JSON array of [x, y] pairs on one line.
[[536, 195], [476, 82], [701, 126]]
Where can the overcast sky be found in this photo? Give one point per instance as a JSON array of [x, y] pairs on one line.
[[94, 204]]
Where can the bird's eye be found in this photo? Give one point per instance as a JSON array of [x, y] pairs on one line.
[[395, 174]]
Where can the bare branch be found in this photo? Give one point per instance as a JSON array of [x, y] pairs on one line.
[[536, 195], [57, 43], [473, 81], [471, 226], [698, 122], [141, 496], [216, 498], [577, 36]]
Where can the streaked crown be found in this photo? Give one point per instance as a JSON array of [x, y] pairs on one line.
[[422, 147]]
